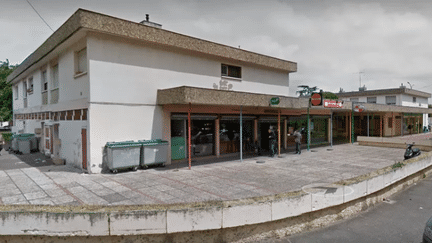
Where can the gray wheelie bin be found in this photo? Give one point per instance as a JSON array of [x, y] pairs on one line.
[[123, 155], [154, 152], [14, 143], [24, 142]]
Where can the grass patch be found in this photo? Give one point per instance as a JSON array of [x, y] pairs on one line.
[[397, 165]]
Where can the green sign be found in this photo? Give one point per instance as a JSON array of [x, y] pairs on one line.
[[274, 101]]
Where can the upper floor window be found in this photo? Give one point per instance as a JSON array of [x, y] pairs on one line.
[[81, 61], [231, 71], [54, 84], [15, 91], [414, 99], [44, 88], [372, 100], [24, 90], [390, 100], [30, 85]]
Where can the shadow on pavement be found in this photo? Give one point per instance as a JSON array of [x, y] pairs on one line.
[[35, 159], [10, 161]]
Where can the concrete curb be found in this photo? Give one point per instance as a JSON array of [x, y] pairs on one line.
[[177, 218]]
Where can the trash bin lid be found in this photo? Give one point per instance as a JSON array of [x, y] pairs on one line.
[[152, 142], [25, 136], [125, 144]]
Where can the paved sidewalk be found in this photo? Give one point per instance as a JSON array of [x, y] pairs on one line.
[[63, 185]]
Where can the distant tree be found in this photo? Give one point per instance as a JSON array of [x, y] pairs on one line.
[[306, 90], [330, 96], [5, 91]]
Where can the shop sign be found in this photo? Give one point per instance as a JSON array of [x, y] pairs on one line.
[[359, 108], [333, 103], [274, 101], [316, 99]]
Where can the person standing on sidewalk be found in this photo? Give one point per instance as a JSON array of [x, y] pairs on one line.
[[297, 140], [272, 141]]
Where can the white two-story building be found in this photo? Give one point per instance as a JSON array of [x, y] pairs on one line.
[[401, 96], [99, 79]]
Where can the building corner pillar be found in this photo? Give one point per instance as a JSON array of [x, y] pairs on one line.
[[217, 137], [167, 133]]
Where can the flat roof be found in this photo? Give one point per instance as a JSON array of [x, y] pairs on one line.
[[185, 95], [402, 90], [92, 21]]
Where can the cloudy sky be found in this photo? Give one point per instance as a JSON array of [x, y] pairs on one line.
[[334, 42]]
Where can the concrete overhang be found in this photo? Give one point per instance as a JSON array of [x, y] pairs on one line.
[[100, 23], [368, 107], [377, 92], [185, 95]]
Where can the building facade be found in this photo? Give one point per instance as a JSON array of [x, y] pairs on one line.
[[96, 80], [408, 122], [101, 79]]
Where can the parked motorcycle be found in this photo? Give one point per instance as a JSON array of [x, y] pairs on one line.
[[411, 152]]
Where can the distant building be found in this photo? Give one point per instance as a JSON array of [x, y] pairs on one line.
[[401, 96]]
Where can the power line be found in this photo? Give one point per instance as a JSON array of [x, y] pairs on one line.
[[40, 16]]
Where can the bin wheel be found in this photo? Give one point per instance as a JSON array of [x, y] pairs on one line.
[[114, 171], [135, 168]]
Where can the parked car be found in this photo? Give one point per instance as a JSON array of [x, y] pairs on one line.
[[427, 234]]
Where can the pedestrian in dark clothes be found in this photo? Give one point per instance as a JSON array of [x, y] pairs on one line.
[[297, 140], [272, 141]]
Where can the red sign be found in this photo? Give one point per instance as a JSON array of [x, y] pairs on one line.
[[316, 99], [358, 108], [333, 104]]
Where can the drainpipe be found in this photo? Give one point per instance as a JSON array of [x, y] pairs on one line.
[[352, 123], [331, 128], [368, 124], [402, 123], [308, 128], [241, 134], [189, 133], [279, 134]]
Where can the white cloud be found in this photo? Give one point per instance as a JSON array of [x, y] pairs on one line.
[[331, 40]]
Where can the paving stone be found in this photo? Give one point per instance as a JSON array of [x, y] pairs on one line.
[[63, 200], [125, 202], [55, 193], [143, 200], [9, 192], [91, 199], [103, 192], [42, 201], [117, 187], [77, 189], [16, 199], [35, 195], [114, 197]]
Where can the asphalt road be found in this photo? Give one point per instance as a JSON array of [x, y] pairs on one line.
[[401, 219]]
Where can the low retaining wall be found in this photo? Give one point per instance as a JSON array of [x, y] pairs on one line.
[[395, 142], [293, 210]]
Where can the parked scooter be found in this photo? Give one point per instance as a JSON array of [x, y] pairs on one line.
[[411, 152]]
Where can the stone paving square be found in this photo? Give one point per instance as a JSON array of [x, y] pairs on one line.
[[228, 180]]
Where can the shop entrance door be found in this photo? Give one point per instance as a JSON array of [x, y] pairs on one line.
[[202, 137], [264, 134]]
